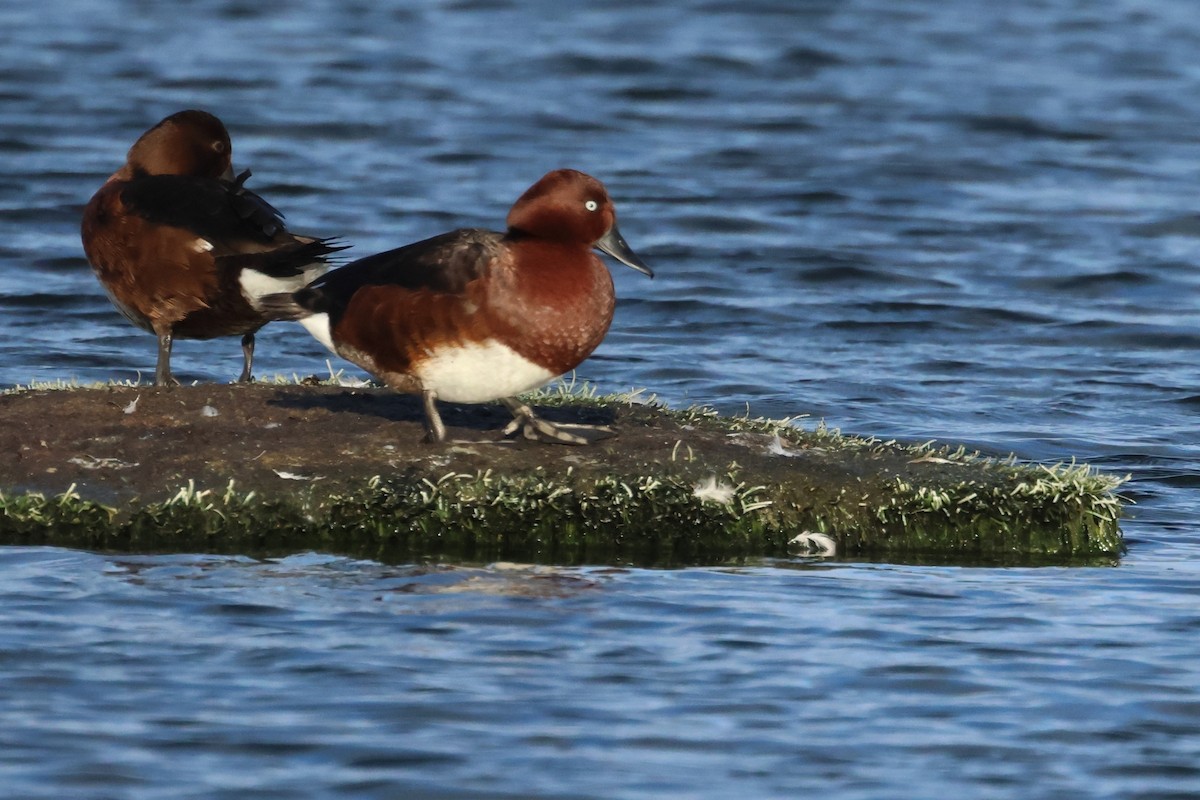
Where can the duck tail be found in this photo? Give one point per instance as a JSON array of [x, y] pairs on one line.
[[283, 306]]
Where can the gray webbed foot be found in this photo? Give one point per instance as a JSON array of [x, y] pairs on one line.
[[537, 429]]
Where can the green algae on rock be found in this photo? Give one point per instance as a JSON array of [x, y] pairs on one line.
[[281, 468]]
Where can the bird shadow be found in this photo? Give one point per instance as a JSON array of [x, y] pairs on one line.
[[396, 407]]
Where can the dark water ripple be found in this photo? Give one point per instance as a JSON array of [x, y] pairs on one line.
[[971, 221]]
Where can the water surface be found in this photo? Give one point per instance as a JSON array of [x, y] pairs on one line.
[[968, 221]]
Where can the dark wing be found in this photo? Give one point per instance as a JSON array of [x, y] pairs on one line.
[[224, 213], [442, 264], [245, 230], [254, 209]]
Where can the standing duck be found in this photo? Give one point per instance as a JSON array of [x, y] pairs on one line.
[[184, 249], [475, 315]]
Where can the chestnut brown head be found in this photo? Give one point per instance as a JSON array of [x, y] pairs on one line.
[[574, 208], [193, 143]]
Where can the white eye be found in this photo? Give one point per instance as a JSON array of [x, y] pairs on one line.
[[591, 205]]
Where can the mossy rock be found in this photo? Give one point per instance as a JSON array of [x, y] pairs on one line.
[[278, 468]]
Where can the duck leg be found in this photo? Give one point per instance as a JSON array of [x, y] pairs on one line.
[[162, 369], [534, 427], [435, 430], [247, 359]]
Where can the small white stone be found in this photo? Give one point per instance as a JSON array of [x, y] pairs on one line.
[[814, 544]]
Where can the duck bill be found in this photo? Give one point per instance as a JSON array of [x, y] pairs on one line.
[[614, 244]]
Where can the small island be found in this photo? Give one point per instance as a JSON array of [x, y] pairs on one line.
[[275, 468]]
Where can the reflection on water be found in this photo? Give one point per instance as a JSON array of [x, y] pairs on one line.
[[968, 221]]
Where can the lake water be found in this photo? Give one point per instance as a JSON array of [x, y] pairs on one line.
[[970, 221]]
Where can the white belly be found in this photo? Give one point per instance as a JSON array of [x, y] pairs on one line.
[[476, 373]]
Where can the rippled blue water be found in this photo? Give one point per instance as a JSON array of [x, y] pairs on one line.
[[970, 221]]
